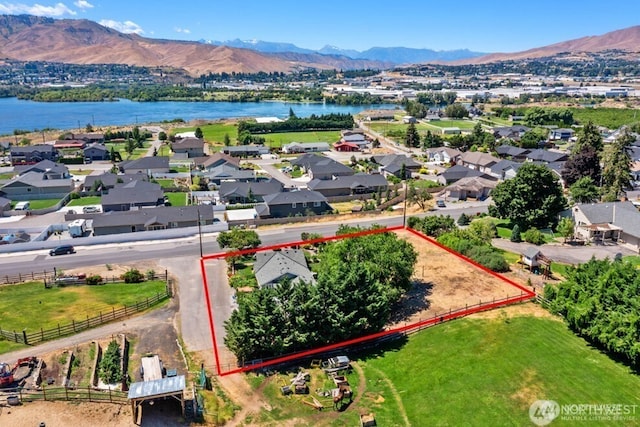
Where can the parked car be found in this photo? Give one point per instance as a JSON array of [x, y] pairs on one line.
[[62, 250], [90, 209], [440, 204]]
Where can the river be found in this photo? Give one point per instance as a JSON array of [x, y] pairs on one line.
[[30, 115]]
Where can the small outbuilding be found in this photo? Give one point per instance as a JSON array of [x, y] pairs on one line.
[[147, 391]]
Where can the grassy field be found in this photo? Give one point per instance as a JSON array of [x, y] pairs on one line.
[[85, 201], [164, 183], [38, 204], [214, 132], [61, 305], [177, 199], [280, 139], [462, 124], [611, 118], [137, 153], [488, 372]]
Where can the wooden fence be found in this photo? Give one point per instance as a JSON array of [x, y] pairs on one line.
[[87, 394], [27, 277], [80, 325]]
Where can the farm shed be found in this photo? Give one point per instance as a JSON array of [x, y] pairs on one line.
[[147, 391]]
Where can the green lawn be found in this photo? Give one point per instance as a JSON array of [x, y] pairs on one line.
[[611, 118], [137, 153], [85, 201], [164, 183], [489, 372], [18, 303], [39, 204], [213, 132], [462, 124], [177, 199], [280, 139]]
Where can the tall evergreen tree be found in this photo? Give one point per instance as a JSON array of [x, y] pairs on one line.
[[616, 175], [412, 138]]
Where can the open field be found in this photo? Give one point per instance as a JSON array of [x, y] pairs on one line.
[[462, 124], [213, 132], [62, 304], [611, 118], [280, 139]]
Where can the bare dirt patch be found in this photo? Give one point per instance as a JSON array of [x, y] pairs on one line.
[[528, 309], [443, 281], [115, 270]]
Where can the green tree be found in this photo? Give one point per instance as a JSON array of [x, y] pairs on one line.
[[418, 196], [484, 229], [431, 140], [456, 111], [581, 164], [584, 190], [162, 136], [588, 136], [616, 175], [130, 146], [515, 234], [411, 137], [434, 225], [88, 128], [109, 370], [565, 228], [463, 219], [532, 198], [239, 239], [198, 133], [531, 139], [226, 141]]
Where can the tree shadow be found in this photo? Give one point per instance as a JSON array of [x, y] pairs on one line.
[[412, 302]]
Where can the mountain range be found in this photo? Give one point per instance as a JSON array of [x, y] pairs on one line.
[[395, 55], [80, 41]]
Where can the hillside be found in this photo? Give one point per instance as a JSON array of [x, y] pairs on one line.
[[79, 41], [627, 40]]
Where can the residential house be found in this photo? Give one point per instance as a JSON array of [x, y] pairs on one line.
[[505, 169], [245, 151], [34, 185], [546, 156], [108, 180], [478, 161], [248, 192], [443, 155], [215, 160], [373, 115], [293, 203], [69, 144], [273, 267], [360, 183], [146, 165], [188, 147], [228, 172], [89, 138], [408, 119], [474, 187], [30, 154], [561, 134], [97, 151], [158, 218], [352, 132], [5, 205], [512, 152], [510, 132], [132, 195], [394, 164], [320, 167], [457, 172], [305, 147], [602, 222], [51, 170], [345, 146]]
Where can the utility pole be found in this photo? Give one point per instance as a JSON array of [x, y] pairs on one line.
[[404, 210], [200, 230]]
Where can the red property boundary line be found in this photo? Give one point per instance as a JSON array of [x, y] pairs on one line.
[[525, 295]]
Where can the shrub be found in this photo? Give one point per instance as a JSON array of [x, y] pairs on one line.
[[150, 274], [132, 276], [489, 258], [515, 234], [94, 280], [464, 219], [533, 236], [109, 370]]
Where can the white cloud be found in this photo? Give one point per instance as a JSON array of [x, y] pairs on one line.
[[83, 4], [59, 9], [126, 27], [182, 30]]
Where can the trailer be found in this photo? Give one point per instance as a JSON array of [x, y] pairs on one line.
[[77, 227]]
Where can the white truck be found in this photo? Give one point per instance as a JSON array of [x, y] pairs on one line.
[[77, 227]]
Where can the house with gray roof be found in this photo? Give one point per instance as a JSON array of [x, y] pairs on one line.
[[229, 172], [512, 152], [393, 164], [108, 180], [305, 147], [30, 154], [293, 203], [188, 147], [96, 151], [146, 165], [158, 218], [360, 183], [132, 195], [272, 267], [36, 186], [512, 132], [248, 192], [215, 160], [613, 221], [320, 167], [457, 172], [546, 156], [245, 151], [505, 169], [51, 170]]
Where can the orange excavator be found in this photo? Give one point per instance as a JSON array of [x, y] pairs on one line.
[[21, 369]]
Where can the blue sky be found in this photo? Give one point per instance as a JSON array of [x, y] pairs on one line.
[[485, 26]]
